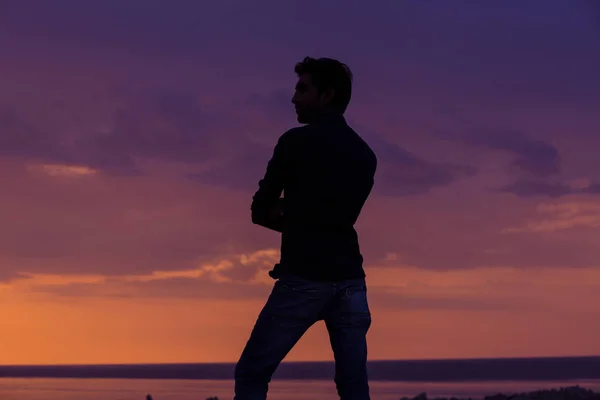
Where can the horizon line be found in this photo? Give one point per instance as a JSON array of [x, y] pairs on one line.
[[166, 363]]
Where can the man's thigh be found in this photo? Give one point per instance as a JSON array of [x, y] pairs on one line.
[[350, 305], [348, 317], [293, 306]]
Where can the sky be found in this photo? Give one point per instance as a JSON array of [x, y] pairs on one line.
[[133, 136]]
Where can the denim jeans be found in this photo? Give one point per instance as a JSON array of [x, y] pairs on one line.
[[294, 306]]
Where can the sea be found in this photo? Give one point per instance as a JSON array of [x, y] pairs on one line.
[[298, 381]]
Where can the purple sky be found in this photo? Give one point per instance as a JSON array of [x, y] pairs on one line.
[[133, 134]]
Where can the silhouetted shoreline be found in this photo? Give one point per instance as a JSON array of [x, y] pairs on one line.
[[471, 370], [566, 393]]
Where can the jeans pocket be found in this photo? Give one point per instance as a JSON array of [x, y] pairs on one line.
[[354, 307], [295, 303], [297, 285]]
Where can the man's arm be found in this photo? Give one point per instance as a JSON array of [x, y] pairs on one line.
[[274, 217], [266, 205]]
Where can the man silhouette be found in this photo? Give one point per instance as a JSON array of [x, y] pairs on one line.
[[326, 172]]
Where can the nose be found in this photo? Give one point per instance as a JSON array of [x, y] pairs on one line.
[[294, 98]]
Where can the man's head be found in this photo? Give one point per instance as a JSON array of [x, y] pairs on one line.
[[324, 87]]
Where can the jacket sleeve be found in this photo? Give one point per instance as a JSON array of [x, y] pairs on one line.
[[270, 188]]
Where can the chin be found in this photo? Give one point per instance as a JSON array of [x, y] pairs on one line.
[[302, 119]]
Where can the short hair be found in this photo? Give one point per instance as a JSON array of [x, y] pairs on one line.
[[328, 73]]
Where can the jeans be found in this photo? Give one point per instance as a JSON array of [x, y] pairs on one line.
[[293, 306]]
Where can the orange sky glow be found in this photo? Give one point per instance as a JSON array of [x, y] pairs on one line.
[[129, 156]]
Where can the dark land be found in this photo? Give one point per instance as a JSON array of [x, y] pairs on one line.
[[567, 393], [499, 369]]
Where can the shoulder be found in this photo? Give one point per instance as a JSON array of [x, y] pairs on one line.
[[368, 153], [292, 136], [293, 133], [371, 154]]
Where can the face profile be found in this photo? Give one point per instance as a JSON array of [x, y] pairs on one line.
[[324, 87], [308, 101]]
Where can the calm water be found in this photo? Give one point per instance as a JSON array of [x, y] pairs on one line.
[[136, 389]]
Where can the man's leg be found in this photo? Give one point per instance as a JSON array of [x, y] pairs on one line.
[[348, 319], [293, 306]]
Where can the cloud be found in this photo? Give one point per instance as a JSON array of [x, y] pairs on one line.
[[532, 156], [593, 188], [241, 276], [8, 276], [171, 124], [175, 287], [164, 124], [562, 216], [21, 138], [536, 165], [207, 287], [93, 223], [531, 188], [247, 267], [466, 230], [402, 173], [469, 47], [540, 188], [170, 91], [241, 170], [395, 301], [485, 289], [413, 176], [148, 124], [400, 289]]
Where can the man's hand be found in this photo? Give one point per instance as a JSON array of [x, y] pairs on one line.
[[277, 210], [275, 221], [273, 218], [267, 204]]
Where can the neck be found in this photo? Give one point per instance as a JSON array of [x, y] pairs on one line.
[[327, 116]]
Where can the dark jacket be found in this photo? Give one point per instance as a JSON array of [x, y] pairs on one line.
[[326, 172]]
